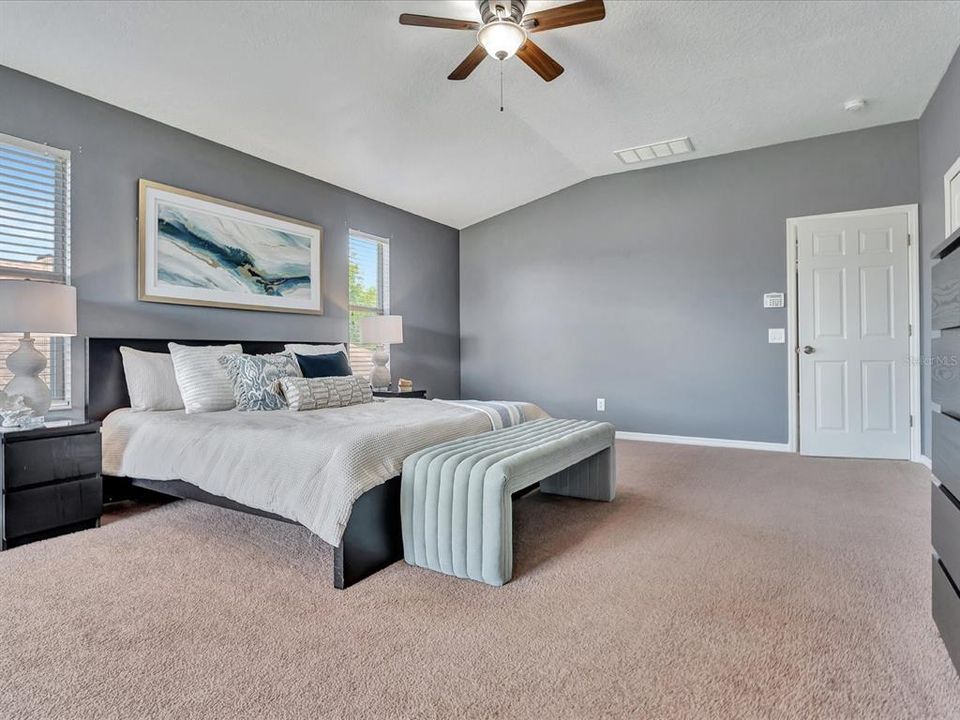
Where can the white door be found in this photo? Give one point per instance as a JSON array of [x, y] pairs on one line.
[[853, 335]]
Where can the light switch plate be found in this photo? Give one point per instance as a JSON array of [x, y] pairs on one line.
[[776, 335], [773, 300], [601, 405]]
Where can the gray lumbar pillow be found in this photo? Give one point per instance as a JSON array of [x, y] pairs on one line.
[[204, 384], [325, 392], [255, 379]]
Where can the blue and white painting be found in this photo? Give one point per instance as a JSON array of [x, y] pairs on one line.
[[197, 250]]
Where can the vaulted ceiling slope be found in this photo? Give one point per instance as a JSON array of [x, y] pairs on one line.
[[342, 92]]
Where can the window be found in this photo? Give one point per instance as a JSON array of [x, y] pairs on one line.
[[35, 240], [369, 292]]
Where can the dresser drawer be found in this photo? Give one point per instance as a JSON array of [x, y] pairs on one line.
[[42, 508], [945, 529], [945, 371], [946, 451], [33, 462], [946, 611], [945, 286]]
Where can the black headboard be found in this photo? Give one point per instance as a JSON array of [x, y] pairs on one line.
[[106, 384]]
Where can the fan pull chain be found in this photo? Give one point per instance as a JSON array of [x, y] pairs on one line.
[[501, 86]]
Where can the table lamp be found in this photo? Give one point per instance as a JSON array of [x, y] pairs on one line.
[[381, 330], [34, 308]]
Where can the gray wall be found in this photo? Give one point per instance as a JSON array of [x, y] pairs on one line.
[[939, 148], [111, 149], [645, 287]]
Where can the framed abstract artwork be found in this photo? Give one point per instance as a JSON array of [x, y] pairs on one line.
[[198, 250]]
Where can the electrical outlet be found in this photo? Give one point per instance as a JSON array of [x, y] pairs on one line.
[[601, 405]]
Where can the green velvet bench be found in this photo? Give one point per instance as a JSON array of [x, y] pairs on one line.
[[456, 503]]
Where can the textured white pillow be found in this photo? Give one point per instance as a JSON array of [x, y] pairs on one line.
[[302, 349], [151, 382], [204, 384]]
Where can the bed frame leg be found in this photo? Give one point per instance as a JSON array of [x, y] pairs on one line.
[[373, 538]]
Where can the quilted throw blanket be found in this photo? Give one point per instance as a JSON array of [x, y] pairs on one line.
[[501, 413]]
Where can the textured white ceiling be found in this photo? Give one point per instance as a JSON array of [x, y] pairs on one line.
[[342, 92]]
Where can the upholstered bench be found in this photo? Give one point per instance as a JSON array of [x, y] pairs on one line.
[[456, 498]]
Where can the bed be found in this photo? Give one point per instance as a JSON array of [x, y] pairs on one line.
[[334, 471]]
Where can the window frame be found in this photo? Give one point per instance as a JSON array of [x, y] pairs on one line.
[[383, 283], [58, 357]]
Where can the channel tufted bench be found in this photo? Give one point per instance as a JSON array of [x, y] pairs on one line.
[[455, 498]]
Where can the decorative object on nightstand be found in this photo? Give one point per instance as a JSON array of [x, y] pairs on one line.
[[404, 385], [34, 307], [51, 481], [400, 393], [14, 412], [381, 330]]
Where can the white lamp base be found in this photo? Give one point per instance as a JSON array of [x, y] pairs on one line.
[[26, 363], [380, 377]]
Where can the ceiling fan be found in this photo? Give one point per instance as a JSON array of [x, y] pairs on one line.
[[504, 31]]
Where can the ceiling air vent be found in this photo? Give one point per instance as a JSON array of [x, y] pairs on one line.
[[654, 151]]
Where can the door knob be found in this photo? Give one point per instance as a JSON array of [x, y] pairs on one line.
[[807, 350]]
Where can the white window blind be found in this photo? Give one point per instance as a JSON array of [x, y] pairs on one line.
[[369, 292], [35, 240]]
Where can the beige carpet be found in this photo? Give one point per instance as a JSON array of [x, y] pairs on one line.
[[720, 584]]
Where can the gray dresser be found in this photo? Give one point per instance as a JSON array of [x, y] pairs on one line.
[[945, 494]]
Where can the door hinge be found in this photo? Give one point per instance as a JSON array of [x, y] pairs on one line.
[[911, 421], [910, 329], [909, 240]]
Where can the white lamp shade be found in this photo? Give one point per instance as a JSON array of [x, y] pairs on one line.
[[38, 308], [381, 329]]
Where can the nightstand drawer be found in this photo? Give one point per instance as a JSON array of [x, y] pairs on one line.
[[34, 462], [43, 508], [945, 524], [946, 611]]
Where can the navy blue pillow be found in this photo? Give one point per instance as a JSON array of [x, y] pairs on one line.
[[329, 365]]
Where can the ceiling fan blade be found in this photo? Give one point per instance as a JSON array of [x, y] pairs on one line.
[[469, 64], [438, 22], [538, 61], [573, 14]]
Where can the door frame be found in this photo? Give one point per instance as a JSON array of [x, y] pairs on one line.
[[913, 271], [947, 209]]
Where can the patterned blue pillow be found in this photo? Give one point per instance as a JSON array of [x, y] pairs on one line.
[[255, 379]]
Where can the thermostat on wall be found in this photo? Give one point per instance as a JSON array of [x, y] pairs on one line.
[[773, 300]]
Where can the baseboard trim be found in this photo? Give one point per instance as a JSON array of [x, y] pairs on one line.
[[924, 460], [707, 442]]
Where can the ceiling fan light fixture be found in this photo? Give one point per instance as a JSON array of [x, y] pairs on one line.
[[501, 38]]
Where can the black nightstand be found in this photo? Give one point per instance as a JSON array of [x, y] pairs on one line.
[[418, 394], [51, 481]]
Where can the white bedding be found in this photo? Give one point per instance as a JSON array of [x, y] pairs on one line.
[[309, 467]]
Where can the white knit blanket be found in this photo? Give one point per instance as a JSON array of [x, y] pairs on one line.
[[309, 467]]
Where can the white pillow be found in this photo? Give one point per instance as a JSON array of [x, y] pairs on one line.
[[301, 349], [204, 384], [151, 382]]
